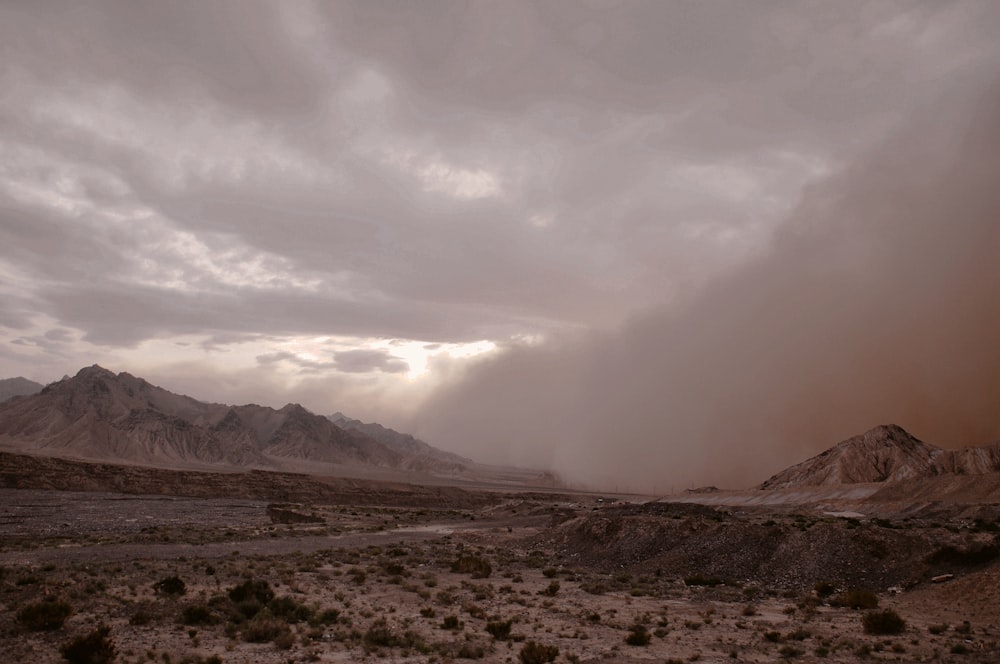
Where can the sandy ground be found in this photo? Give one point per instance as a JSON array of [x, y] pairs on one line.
[[377, 583]]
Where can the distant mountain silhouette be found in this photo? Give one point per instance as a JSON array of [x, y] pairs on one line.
[[18, 387], [888, 454], [99, 415], [420, 455]]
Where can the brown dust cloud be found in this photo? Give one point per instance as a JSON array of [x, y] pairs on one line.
[[877, 301]]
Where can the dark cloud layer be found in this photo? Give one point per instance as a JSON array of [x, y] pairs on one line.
[[879, 301], [669, 217]]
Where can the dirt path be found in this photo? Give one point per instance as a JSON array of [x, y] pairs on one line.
[[263, 547]]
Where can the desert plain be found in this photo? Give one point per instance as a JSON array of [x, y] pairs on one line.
[[487, 574]]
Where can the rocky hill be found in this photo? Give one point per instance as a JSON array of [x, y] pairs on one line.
[[17, 387], [885, 454], [99, 415]]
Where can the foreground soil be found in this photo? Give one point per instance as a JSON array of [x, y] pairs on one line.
[[494, 577]]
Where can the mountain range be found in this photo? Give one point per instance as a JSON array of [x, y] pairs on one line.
[[17, 387], [102, 416], [887, 454]]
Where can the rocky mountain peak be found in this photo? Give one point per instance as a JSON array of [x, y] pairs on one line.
[[886, 453]]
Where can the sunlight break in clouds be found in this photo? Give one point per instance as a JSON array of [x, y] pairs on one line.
[[701, 214]]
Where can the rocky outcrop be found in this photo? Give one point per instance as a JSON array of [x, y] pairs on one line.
[[885, 454]]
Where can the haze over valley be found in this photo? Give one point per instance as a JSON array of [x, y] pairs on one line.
[[522, 331]]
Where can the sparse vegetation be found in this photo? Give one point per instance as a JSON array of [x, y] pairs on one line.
[[536, 653], [638, 635], [499, 629], [44, 616], [95, 647], [856, 599], [171, 586], [478, 567], [387, 601], [886, 621]]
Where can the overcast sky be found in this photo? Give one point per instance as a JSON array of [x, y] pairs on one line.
[[501, 224]]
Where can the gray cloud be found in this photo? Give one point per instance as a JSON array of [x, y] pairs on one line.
[[361, 361], [219, 177]]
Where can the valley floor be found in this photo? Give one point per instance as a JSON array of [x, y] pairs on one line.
[[513, 580]]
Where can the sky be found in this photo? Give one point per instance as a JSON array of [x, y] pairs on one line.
[[649, 245]]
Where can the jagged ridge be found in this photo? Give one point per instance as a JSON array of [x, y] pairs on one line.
[[100, 415]]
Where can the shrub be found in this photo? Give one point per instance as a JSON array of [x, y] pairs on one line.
[[250, 590], [171, 586], [290, 609], [552, 590], [379, 634], [44, 616], [883, 622], [198, 614], [263, 629], [535, 653], [451, 622], [979, 554], [856, 599], [638, 635], [94, 648], [140, 617], [477, 566], [499, 630], [824, 589]]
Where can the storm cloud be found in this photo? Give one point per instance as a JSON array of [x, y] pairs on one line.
[[538, 232], [878, 301]]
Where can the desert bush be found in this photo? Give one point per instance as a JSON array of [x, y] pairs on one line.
[[499, 629], [172, 586], [379, 634], [824, 588], [198, 614], [551, 590], [250, 590], [264, 628], [638, 635], [477, 566], [451, 622], [536, 653], [325, 617], [140, 617], [44, 616], [856, 599], [290, 609], [886, 621], [978, 554], [93, 648]]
